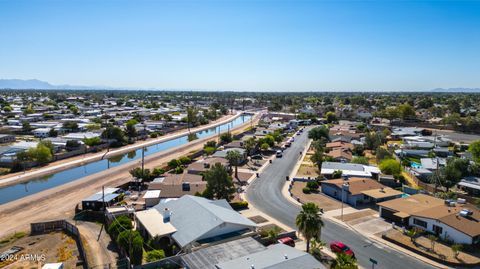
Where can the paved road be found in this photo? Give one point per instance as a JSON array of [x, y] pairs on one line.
[[265, 194]]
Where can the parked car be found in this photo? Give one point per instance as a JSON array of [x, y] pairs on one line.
[[257, 157], [339, 247], [287, 241], [288, 144], [279, 154]]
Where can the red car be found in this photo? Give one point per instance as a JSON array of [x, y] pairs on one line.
[[287, 241], [339, 247]]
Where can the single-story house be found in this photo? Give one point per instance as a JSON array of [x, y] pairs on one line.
[[471, 185], [191, 221], [223, 153], [177, 185], [433, 163], [203, 165], [81, 136], [101, 199], [349, 170], [6, 138], [41, 132], [339, 145], [340, 155], [357, 191], [449, 220]]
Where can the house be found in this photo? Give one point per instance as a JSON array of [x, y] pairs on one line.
[[177, 185], [358, 191], [349, 170], [41, 132], [101, 199], [6, 138], [81, 136], [471, 185], [400, 132], [339, 145], [234, 144], [191, 221], [204, 165], [278, 256], [459, 223], [340, 155], [433, 164], [223, 153]]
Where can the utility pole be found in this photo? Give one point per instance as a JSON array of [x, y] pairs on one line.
[[143, 167]]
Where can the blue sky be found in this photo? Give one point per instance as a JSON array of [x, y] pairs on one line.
[[243, 45]]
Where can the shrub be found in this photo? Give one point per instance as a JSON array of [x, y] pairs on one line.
[[313, 185], [155, 255], [185, 160], [239, 205], [179, 170], [209, 150], [306, 190], [390, 167], [153, 135], [337, 174], [174, 163]]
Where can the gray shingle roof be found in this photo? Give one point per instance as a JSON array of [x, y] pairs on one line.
[[193, 217]]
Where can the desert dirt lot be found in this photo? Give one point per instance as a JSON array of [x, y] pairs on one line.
[[323, 201], [40, 249], [59, 202]]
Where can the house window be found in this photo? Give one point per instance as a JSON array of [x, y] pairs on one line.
[[420, 223], [437, 229]]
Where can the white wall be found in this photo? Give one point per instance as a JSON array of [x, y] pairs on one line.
[[447, 231]]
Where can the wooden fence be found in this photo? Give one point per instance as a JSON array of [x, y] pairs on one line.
[[61, 225]]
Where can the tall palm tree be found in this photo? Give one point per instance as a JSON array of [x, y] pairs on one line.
[[234, 158], [309, 222]]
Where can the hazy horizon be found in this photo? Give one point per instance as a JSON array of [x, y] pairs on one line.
[[230, 45]]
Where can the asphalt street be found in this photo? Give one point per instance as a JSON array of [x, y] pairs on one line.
[[265, 193]]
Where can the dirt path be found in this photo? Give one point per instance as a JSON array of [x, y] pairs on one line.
[[61, 165], [59, 202]]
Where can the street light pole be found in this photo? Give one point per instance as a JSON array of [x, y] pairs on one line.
[[345, 187]]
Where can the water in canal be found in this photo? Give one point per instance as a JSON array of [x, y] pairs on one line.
[[11, 193]]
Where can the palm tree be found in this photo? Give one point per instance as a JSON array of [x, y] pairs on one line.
[[309, 222], [234, 158], [344, 261]]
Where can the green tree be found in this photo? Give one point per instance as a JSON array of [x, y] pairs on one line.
[[456, 248], [331, 116], [407, 112], [41, 154], [390, 167], [29, 109], [119, 224], [174, 163], [264, 146], [249, 145], [70, 125], [26, 127], [52, 133], [360, 160], [309, 223], [317, 157], [137, 173], [474, 148], [116, 134], [132, 242], [219, 183], [344, 261], [318, 133], [130, 129], [234, 158], [226, 138], [93, 141]]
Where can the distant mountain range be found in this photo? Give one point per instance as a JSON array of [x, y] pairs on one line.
[[16, 84]]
